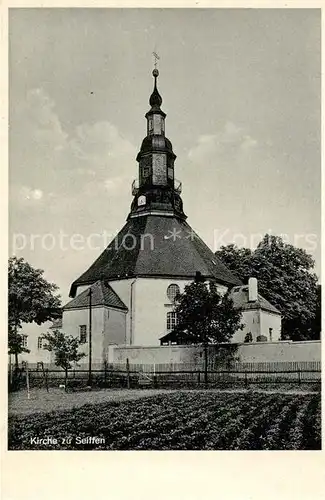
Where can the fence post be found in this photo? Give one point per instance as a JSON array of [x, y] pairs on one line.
[[127, 373], [246, 381], [27, 381], [199, 377], [299, 376], [47, 379], [10, 372], [105, 373]]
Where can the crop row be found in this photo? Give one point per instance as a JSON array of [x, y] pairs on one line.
[[183, 420]]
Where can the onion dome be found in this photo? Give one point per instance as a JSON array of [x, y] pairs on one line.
[[155, 98]]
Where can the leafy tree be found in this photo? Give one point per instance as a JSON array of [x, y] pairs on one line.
[[65, 348], [317, 324], [204, 315], [285, 278], [238, 260], [30, 298]]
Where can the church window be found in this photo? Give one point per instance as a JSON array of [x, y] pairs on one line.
[[83, 334], [24, 342], [40, 343], [171, 320], [172, 291], [270, 333]]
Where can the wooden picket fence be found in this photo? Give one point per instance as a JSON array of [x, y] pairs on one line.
[[184, 374]]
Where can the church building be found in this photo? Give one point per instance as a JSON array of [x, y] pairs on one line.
[[132, 285]]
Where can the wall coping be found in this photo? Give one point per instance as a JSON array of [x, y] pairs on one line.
[[279, 342]]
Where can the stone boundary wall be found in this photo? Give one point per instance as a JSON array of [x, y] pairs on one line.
[[255, 352]]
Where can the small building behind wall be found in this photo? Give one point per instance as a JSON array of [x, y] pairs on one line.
[[260, 318]]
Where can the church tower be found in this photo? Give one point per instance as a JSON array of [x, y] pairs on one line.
[[156, 253], [156, 191]]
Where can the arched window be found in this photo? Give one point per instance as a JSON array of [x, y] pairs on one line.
[[172, 291], [171, 320]]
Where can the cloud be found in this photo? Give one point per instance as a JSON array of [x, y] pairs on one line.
[[102, 147], [230, 142], [25, 195], [40, 121], [91, 159], [114, 183]]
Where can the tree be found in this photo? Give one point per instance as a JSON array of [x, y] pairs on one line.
[[65, 348], [204, 315], [285, 278], [316, 324], [30, 298], [238, 260]]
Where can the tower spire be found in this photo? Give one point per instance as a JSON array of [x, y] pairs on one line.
[[156, 191]]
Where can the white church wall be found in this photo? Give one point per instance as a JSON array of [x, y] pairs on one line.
[[71, 321], [123, 288], [151, 306], [114, 328], [33, 332]]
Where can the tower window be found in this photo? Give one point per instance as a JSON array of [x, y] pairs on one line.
[[172, 291], [157, 124], [40, 343], [150, 125], [145, 171], [83, 334], [171, 320]]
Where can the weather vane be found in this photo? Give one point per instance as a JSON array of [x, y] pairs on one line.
[[155, 55]]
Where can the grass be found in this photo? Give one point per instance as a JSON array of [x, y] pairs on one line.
[[43, 401], [176, 420]]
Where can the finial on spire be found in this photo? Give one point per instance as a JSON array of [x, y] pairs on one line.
[[155, 98], [155, 55]]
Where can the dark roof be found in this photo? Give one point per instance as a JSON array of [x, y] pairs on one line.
[[239, 296], [179, 338], [156, 142], [57, 323], [102, 295], [169, 249]]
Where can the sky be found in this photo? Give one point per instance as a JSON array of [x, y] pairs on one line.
[[241, 89]]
